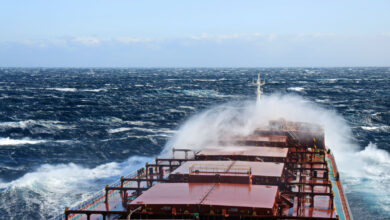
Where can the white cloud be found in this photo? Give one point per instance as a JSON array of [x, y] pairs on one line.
[[88, 41], [37, 43], [235, 36], [236, 49], [130, 40]]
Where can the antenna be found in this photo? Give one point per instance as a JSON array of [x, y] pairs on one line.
[[259, 90]]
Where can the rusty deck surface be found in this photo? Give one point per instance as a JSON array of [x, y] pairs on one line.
[[174, 193], [245, 151], [211, 194], [242, 195]]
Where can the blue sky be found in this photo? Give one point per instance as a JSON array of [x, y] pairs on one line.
[[198, 33]]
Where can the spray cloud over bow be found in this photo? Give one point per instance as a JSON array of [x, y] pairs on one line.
[[369, 167]]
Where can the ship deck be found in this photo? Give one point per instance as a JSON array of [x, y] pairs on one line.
[[305, 185], [115, 201]]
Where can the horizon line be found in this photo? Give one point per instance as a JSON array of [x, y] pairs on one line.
[[179, 67]]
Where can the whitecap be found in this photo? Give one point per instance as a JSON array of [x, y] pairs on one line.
[[186, 107], [9, 142], [93, 90], [367, 128], [151, 130], [26, 124], [376, 128], [176, 111], [63, 89], [62, 185], [206, 93], [204, 80], [331, 80], [117, 130], [140, 123], [296, 89]]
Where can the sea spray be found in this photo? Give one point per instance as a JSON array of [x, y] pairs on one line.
[[361, 170], [54, 187], [242, 118]]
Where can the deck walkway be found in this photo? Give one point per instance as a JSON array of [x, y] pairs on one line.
[[339, 199]]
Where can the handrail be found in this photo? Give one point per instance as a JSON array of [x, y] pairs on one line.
[[97, 195]]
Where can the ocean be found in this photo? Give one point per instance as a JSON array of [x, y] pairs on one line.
[[67, 132]]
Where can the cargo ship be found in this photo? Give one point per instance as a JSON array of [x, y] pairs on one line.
[[282, 170]]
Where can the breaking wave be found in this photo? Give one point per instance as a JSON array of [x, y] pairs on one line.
[[117, 130], [76, 90], [54, 187], [296, 89], [28, 124], [10, 142]]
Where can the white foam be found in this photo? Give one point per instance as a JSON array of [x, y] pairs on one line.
[[376, 128], [176, 111], [63, 89], [331, 80], [75, 90], [140, 123], [205, 93], [151, 130], [204, 80], [368, 128], [60, 186], [186, 107], [93, 90], [27, 124], [117, 130], [9, 141], [296, 89]]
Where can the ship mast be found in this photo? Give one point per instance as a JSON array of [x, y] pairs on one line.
[[259, 91]]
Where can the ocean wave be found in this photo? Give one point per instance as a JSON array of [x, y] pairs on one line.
[[383, 128], [331, 80], [60, 186], [104, 120], [204, 80], [296, 89], [27, 124], [186, 107], [140, 123], [93, 90], [151, 130], [63, 89], [206, 93], [172, 110], [117, 130], [77, 90], [27, 141], [10, 142], [371, 178]]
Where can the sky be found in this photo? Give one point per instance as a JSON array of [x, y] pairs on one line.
[[198, 33]]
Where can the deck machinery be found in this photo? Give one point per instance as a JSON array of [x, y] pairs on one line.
[[283, 171]]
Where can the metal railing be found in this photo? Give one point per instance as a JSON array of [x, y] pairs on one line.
[[97, 196]]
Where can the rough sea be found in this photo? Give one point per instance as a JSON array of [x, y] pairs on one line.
[[67, 132]]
